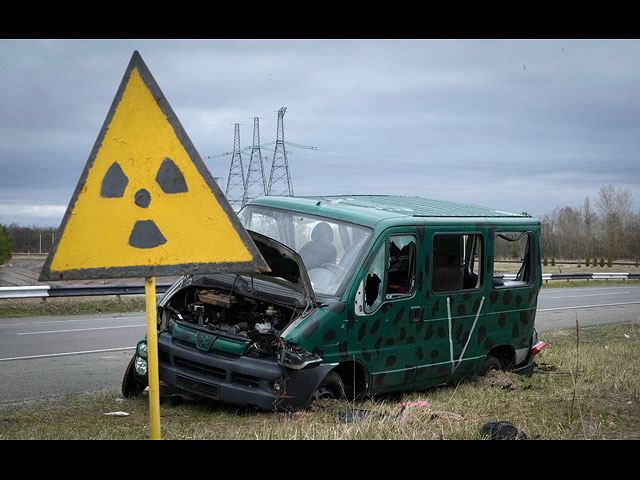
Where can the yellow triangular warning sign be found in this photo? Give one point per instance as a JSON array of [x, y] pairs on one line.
[[146, 204]]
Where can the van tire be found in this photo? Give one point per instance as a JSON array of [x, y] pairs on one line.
[[490, 363], [330, 387]]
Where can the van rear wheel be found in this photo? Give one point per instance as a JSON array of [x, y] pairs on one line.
[[490, 363]]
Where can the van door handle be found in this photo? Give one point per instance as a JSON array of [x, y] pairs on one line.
[[416, 314]]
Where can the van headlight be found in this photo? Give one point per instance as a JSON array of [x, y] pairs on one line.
[[143, 350], [141, 366]]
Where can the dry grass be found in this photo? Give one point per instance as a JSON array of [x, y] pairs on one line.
[[586, 386]]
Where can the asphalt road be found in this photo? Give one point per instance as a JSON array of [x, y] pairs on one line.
[[43, 357]]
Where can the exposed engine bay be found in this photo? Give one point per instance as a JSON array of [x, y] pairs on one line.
[[239, 312]]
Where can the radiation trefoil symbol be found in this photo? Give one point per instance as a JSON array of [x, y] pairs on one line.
[[145, 233]]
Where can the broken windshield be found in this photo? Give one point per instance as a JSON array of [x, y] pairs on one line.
[[328, 247]]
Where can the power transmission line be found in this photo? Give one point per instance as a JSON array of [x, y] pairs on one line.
[[280, 179], [236, 183], [255, 185]]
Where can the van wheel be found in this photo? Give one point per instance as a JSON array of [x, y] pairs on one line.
[[490, 363], [330, 387]]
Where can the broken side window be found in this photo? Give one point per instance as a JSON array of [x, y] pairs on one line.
[[457, 262], [401, 265], [392, 272], [373, 282], [512, 262]]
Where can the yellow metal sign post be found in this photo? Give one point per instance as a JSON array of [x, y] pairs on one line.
[[146, 205]]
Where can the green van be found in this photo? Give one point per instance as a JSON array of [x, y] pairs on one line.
[[366, 295]]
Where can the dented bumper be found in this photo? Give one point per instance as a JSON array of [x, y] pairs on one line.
[[235, 379]]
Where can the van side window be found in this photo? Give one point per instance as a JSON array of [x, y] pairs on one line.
[[392, 272], [457, 262], [512, 262], [401, 265]]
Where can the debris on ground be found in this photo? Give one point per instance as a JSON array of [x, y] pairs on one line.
[[502, 431]]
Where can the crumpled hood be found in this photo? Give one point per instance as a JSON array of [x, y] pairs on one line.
[[287, 267]]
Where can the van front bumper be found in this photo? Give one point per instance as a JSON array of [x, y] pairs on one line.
[[236, 379]]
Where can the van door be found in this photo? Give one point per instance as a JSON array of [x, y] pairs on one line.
[[386, 308], [453, 303]]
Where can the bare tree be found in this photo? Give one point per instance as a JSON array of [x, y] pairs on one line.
[[615, 210]]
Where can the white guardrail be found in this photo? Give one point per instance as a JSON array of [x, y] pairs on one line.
[[45, 291]]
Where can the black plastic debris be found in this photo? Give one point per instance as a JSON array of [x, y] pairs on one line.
[[502, 431]]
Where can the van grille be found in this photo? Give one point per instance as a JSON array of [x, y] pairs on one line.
[[199, 368]]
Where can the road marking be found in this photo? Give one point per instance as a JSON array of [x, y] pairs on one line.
[[591, 295], [65, 354], [80, 329], [588, 306]]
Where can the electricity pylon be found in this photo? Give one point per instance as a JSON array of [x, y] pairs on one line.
[[279, 179], [255, 185], [236, 182]]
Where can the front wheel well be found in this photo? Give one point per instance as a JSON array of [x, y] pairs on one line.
[[354, 378]]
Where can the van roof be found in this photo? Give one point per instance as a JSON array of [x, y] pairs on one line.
[[370, 209]]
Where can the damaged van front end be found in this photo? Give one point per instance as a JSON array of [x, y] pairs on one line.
[[222, 336]]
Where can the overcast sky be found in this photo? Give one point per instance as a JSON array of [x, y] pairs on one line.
[[516, 125]]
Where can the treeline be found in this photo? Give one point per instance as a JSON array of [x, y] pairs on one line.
[[606, 228], [31, 239], [5, 245]]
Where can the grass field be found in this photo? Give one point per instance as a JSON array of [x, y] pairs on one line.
[[586, 386]]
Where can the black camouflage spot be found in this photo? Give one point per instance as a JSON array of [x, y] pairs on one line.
[[389, 342], [488, 344], [329, 336], [458, 333], [377, 345], [379, 380], [441, 332], [362, 331], [366, 355], [376, 326], [524, 318], [482, 332], [419, 353], [386, 307], [462, 310], [507, 297], [409, 340], [426, 265], [466, 296], [518, 301], [435, 307], [476, 306], [403, 333], [429, 332], [391, 359], [398, 316], [502, 320], [435, 353], [493, 297], [515, 332]]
